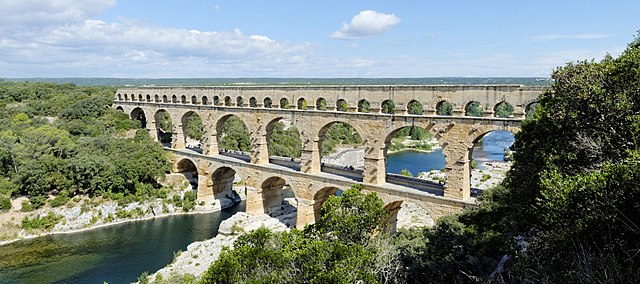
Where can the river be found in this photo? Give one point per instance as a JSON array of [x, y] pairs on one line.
[[113, 254], [491, 148]]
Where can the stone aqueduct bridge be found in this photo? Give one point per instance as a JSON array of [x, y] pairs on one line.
[[260, 107]]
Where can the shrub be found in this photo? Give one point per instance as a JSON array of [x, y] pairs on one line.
[[37, 223], [5, 203], [37, 201], [26, 206], [61, 199]]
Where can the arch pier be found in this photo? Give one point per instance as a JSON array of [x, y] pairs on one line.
[[375, 112]]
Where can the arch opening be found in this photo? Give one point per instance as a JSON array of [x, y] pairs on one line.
[[413, 158], [174, 99], [148, 98], [156, 99], [119, 108], [216, 100], [233, 137], [253, 102], [321, 196], [194, 100], [284, 103], [227, 101], [530, 110], [284, 143], [188, 169], [279, 201], [490, 159], [341, 105], [341, 150], [444, 108], [225, 189], [302, 104], [473, 108], [363, 106], [503, 110], [193, 130], [164, 127], [140, 99], [414, 107], [119, 96], [267, 103], [239, 102], [388, 107], [139, 115], [321, 104], [183, 99]]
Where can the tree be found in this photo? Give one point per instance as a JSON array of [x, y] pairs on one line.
[[406, 173], [444, 108], [195, 129]]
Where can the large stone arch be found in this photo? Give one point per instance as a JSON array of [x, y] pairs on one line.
[[320, 197], [218, 134], [185, 120], [139, 115], [163, 131], [293, 163], [272, 193], [350, 171], [393, 208]]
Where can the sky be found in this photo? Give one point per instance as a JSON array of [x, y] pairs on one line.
[[313, 39]]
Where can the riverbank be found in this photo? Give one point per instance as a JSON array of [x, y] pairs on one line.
[[83, 213], [491, 174]]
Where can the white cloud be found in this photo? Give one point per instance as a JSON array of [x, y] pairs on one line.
[[576, 36], [366, 23], [35, 13]]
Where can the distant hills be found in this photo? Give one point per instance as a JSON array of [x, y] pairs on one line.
[[526, 81]]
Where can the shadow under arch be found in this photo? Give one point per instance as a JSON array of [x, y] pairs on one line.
[[139, 115], [189, 170], [164, 127]]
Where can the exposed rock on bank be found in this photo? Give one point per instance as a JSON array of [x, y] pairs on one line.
[[200, 255]]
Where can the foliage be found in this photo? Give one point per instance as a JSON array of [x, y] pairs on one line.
[[388, 107], [235, 135], [285, 143], [339, 133], [364, 106], [321, 104], [504, 109], [5, 203], [341, 105], [474, 109], [195, 129], [414, 107], [322, 253], [41, 223], [61, 199], [406, 173], [444, 108], [189, 201]]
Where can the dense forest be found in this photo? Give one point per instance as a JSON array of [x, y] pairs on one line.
[[568, 211], [64, 139]]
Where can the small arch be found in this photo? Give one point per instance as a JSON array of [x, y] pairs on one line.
[[205, 100], [216, 100], [165, 99], [473, 108], [302, 104], [387, 106], [148, 98], [239, 102], [444, 108], [414, 107], [183, 99], [363, 106], [227, 101], [194, 100], [321, 104], [284, 103], [119, 108], [503, 110], [156, 98], [119, 96], [139, 115], [126, 97], [140, 98], [341, 105], [253, 102], [267, 103], [174, 99]]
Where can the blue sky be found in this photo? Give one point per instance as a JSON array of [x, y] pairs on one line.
[[167, 39]]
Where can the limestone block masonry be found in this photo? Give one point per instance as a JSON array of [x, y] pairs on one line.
[[313, 109]]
